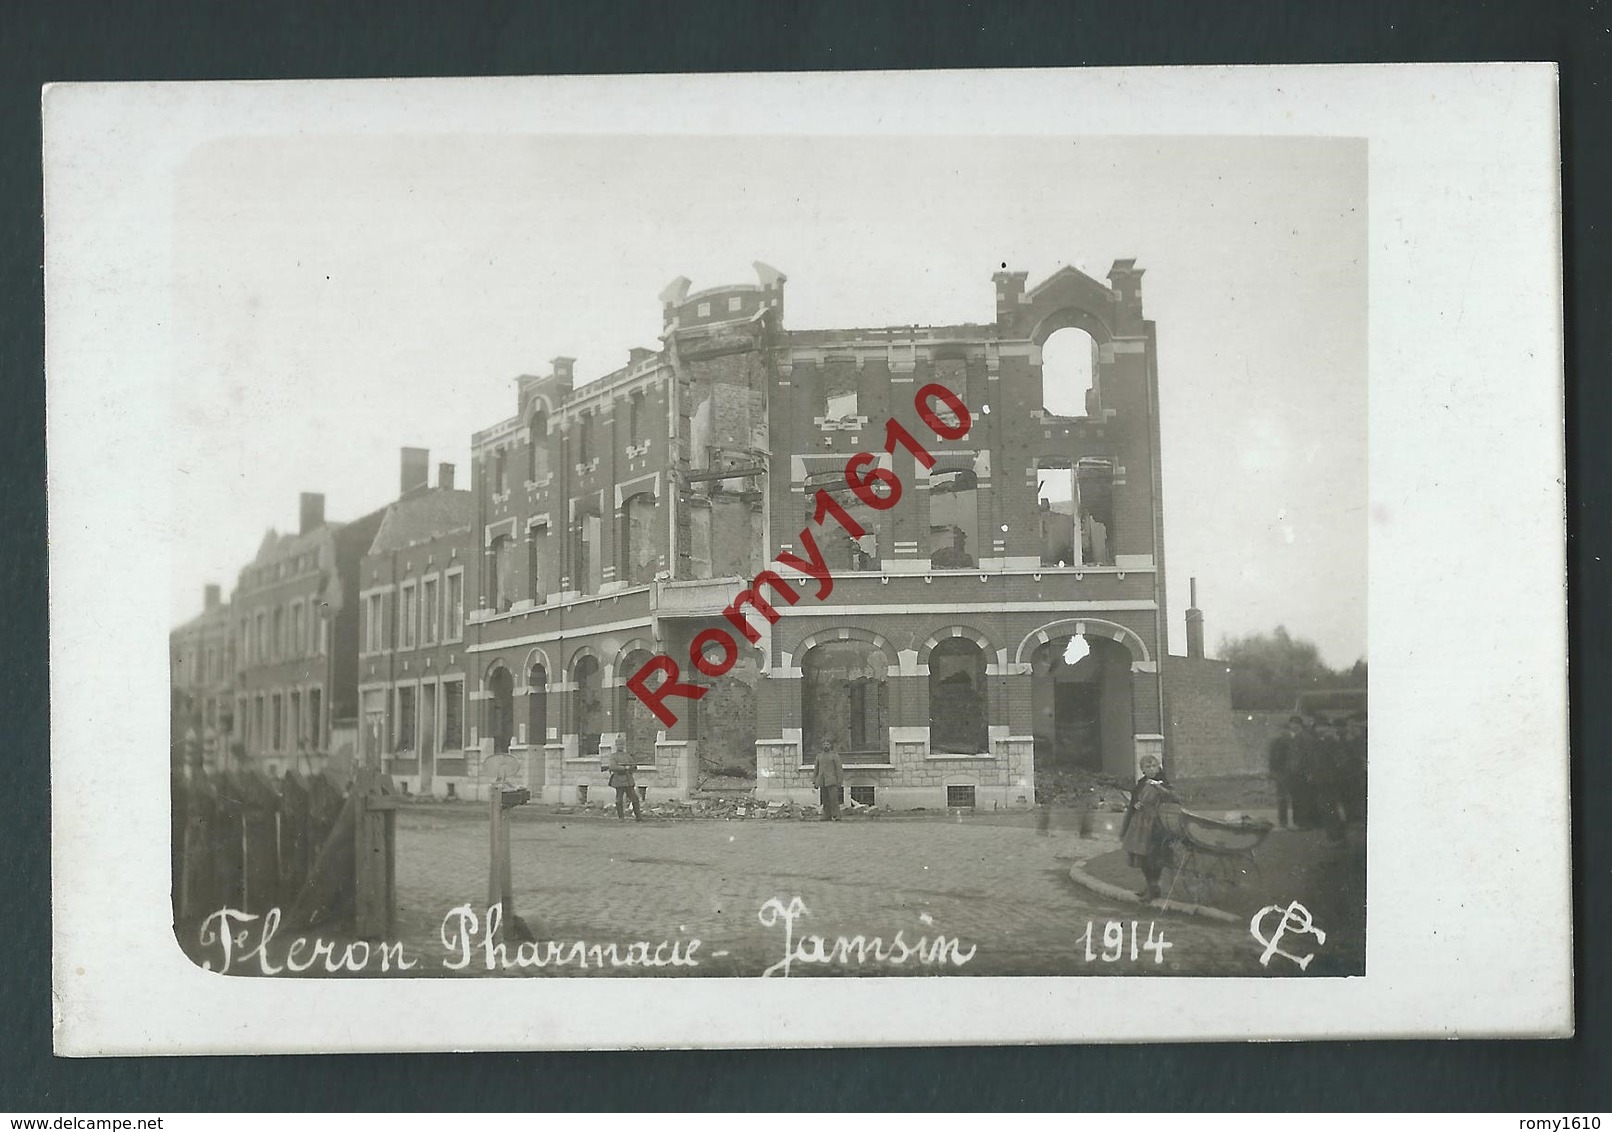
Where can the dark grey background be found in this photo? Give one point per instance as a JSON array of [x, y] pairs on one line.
[[42, 42]]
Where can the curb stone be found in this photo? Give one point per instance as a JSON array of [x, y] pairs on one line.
[[1078, 874]]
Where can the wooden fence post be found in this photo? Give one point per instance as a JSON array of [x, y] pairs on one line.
[[375, 841]]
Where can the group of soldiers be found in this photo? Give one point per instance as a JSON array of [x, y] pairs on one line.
[[1319, 768]]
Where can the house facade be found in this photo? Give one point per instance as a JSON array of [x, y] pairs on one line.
[[294, 618], [411, 659], [201, 665], [999, 625]]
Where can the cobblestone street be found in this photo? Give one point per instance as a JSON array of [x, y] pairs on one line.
[[995, 886]]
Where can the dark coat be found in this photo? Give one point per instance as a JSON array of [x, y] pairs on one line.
[[1142, 834], [830, 772], [621, 771]]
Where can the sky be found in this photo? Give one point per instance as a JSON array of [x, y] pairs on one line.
[[340, 297]]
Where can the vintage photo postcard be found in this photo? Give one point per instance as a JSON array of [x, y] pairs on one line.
[[807, 560]]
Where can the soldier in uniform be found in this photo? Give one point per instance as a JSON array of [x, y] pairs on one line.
[[830, 775]]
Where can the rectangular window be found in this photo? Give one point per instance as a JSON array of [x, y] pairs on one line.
[[430, 612], [1094, 486], [296, 720], [960, 797], [735, 303], [861, 795], [259, 641], [374, 640], [257, 724], [243, 651], [585, 438], [536, 555], [455, 611], [453, 692], [278, 637], [410, 616], [374, 725], [635, 416], [277, 721], [299, 635], [316, 734], [405, 719]]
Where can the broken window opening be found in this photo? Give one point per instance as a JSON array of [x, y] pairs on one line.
[[957, 698], [588, 709], [841, 551], [1069, 374], [845, 701], [635, 416], [1055, 492], [1094, 486], [953, 519], [537, 455], [588, 552], [537, 552], [501, 573], [585, 437], [639, 542], [839, 393]]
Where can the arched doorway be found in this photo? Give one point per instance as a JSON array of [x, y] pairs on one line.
[[501, 708], [1080, 694], [587, 714], [638, 725]]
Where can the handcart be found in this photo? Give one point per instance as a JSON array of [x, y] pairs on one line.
[[1210, 855]]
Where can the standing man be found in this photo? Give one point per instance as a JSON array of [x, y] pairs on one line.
[[626, 785], [1281, 768], [830, 775]]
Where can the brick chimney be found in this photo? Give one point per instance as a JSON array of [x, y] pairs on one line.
[[445, 477], [213, 597], [1194, 624], [415, 471], [313, 511]]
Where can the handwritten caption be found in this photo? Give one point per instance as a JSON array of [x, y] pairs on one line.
[[1113, 942], [714, 651], [245, 942]]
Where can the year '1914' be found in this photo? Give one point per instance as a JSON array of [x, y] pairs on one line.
[[1113, 942]]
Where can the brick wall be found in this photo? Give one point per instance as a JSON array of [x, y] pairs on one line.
[[1203, 741]]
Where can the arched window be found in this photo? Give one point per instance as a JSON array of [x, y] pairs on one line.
[[953, 520], [638, 725], [587, 714], [639, 546], [537, 705], [537, 455], [957, 698], [1068, 374], [845, 701], [501, 708]]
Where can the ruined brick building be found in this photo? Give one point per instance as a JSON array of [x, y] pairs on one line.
[[1003, 621]]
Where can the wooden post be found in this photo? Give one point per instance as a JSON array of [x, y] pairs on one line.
[[500, 886], [374, 839]]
